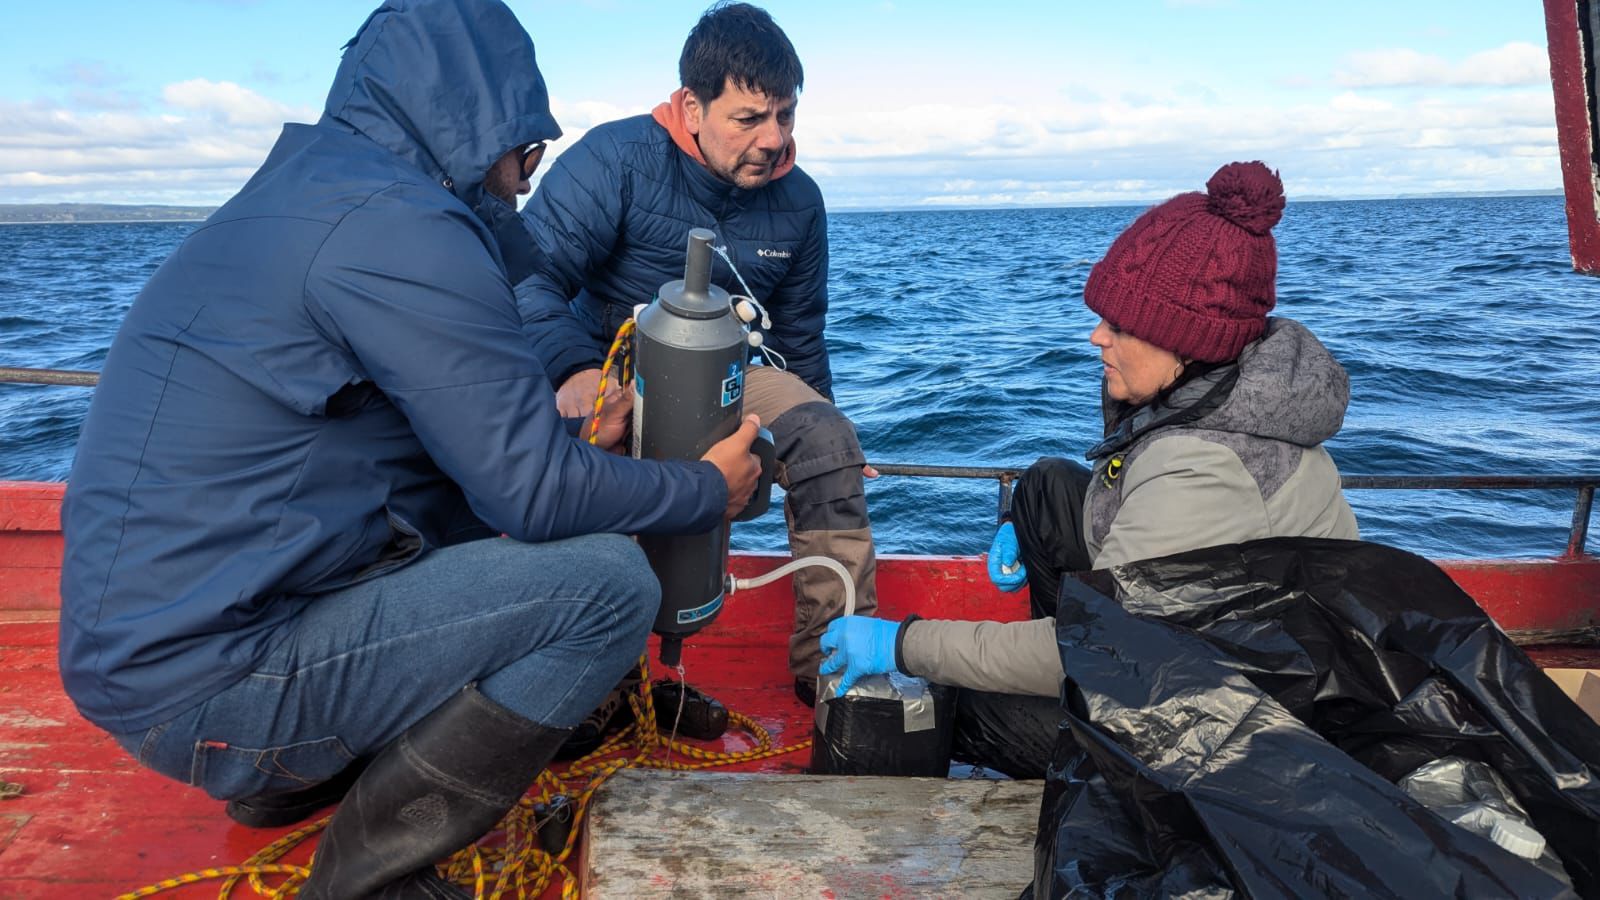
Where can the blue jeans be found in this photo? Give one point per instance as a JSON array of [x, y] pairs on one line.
[[546, 630]]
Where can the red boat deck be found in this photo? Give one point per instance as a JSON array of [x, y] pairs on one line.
[[91, 823]]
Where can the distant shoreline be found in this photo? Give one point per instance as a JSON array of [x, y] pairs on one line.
[[100, 213], [4, 222], [1111, 204]]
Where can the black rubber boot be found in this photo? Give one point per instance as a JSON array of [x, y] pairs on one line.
[[289, 807], [435, 789]]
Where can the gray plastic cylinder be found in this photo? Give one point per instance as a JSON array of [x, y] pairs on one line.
[[690, 355]]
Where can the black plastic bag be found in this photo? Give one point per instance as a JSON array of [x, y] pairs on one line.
[[1237, 716]]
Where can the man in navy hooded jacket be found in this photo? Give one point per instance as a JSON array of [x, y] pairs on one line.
[[612, 217], [284, 521]]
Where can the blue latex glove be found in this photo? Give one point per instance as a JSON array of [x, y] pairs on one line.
[[1005, 560], [859, 646]]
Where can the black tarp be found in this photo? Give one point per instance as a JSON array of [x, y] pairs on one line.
[[1236, 717]]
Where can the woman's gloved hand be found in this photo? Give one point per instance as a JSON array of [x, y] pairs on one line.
[[858, 646], [1005, 560]]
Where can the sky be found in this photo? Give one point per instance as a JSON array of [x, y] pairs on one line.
[[906, 104]]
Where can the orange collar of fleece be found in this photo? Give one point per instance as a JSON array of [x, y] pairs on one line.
[[671, 116]]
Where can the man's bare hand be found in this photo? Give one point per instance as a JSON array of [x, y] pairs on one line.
[[615, 417], [576, 395], [739, 467]]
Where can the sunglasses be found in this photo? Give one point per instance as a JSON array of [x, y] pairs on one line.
[[532, 155]]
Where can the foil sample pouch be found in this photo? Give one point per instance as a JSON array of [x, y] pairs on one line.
[[886, 725], [1238, 718]]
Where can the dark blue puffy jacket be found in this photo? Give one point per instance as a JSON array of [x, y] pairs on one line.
[[612, 217], [329, 377]]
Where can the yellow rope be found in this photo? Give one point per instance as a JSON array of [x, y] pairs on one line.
[[621, 351], [200, 875], [510, 857]]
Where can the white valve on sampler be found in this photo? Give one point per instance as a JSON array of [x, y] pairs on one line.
[[747, 311]]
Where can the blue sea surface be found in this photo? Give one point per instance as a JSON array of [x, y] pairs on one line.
[[961, 338]]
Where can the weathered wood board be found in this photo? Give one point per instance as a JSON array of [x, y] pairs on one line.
[[710, 834]]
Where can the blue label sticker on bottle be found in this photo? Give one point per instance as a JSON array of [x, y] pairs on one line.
[[704, 611], [733, 385]]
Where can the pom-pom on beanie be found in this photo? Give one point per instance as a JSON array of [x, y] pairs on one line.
[[1196, 275]]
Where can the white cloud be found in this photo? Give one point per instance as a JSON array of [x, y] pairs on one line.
[[226, 101], [199, 146], [1352, 143], [580, 116], [1516, 63]]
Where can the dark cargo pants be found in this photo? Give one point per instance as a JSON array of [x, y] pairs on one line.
[[825, 505]]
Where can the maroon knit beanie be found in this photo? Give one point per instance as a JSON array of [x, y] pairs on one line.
[[1195, 275]]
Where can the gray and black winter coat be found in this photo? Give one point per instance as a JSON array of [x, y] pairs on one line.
[[1231, 456]]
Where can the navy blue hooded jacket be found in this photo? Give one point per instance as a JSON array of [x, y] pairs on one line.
[[612, 217], [329, 377]]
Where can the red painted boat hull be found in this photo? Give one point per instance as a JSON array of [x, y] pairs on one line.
[[91, 823]]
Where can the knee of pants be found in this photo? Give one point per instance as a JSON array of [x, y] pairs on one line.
[[834, 501], [814, 439], [630, 587], [820, 468], [1048, 482], [1049, 475]]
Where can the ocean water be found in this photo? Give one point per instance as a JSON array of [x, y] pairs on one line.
[[960, 338]]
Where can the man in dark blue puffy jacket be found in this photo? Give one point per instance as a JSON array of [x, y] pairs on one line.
[[324, 507], [612, 216]]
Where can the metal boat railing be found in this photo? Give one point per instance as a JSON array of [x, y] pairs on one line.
[[1577, 535], [14, 375]]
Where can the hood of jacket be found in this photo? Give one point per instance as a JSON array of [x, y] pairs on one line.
[[449, 86], [1290, 389], [1285, 386]]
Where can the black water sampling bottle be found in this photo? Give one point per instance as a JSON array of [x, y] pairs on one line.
[[690, 355]]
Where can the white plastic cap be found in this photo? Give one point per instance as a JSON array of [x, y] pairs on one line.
[[745, 311], [638, 308], [755, 338], [1517, 837]]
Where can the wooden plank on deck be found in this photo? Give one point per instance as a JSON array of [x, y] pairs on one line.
[[718, 834]]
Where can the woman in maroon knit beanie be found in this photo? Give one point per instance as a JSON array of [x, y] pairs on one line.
[[1215, 415]]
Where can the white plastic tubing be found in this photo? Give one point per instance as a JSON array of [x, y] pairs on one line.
[[740, 584]]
